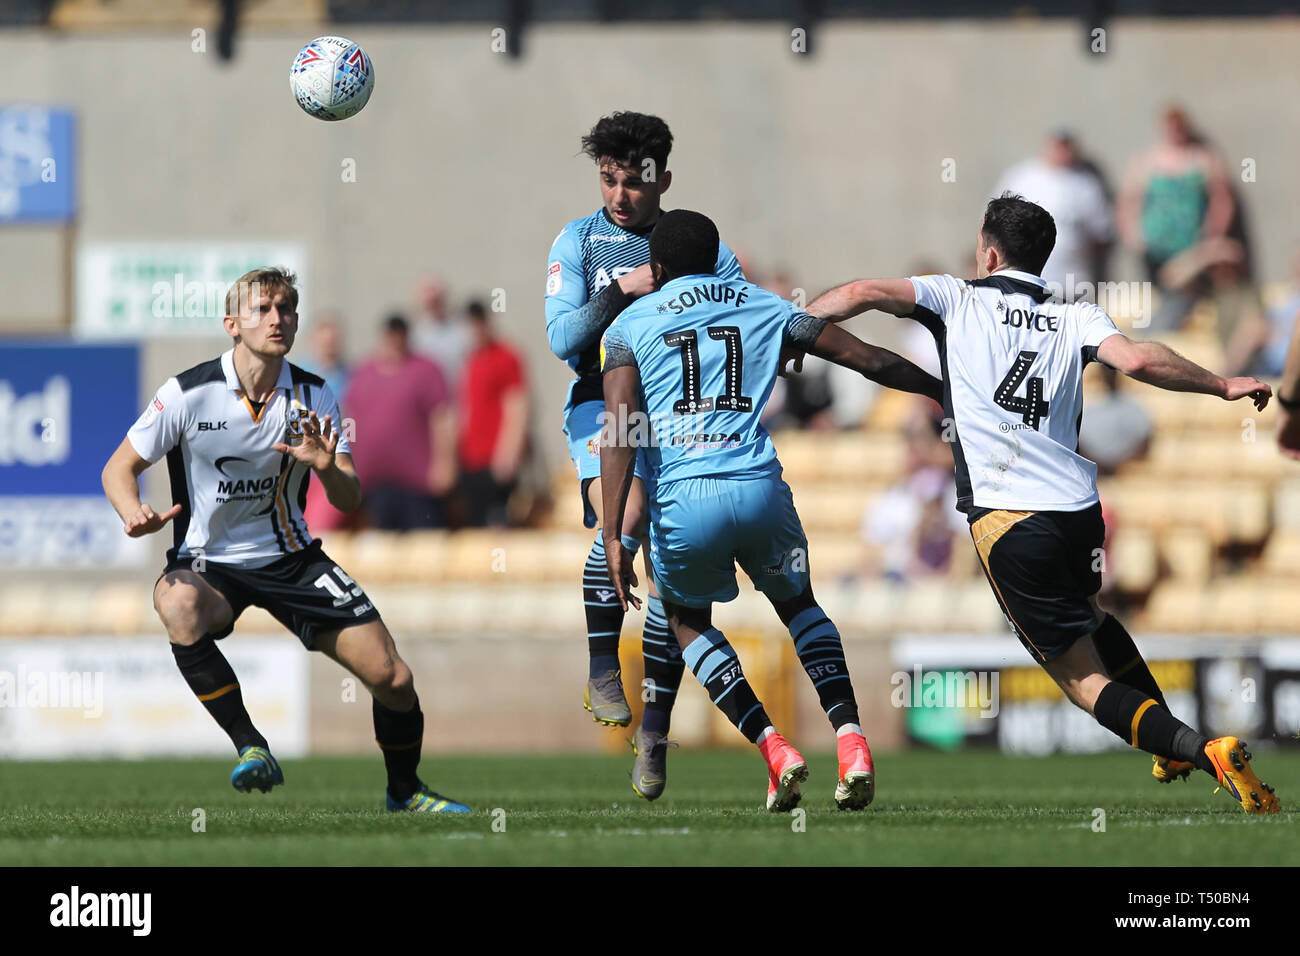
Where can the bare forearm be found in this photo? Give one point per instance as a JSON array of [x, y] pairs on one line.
[[880, 365], [442, 439], [617, 458], [121, 480], [122, 487], [895, 296], [509, 451], [842, 302], [1163, 367], [342, 488], [898, 373], [1218, 211]]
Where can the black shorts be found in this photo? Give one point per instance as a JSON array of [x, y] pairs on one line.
[[305, 591], [1044, 567]]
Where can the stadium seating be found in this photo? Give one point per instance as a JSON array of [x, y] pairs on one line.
[[1204, 535]]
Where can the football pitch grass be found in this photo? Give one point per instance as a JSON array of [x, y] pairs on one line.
[[968, 808]]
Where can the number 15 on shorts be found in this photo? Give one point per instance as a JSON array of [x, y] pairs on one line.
[[344, 595]]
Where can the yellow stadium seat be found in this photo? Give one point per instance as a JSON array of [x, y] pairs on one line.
[[890, 411], [374, 557], [976, 609], [835, 556], [1281, 557], [1234, 607], [1234, 510], [1176, 606], [1188, 553], [801, 454], [124, 608], [475, 555], [1286, 505], [926, 605], [1246, 509], [1279, 606], [425, 555], [1134, 561], [831, 508], [869, 609]]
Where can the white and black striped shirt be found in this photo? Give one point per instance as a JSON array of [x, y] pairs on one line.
[[242, 500], [1013, 387]]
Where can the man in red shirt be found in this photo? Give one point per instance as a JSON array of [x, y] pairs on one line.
[[494, 422], [405, 432]]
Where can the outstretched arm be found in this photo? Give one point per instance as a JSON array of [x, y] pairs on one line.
[[880, 365], [895, 296], [1159, 365]]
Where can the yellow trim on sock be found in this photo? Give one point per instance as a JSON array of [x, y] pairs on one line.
[[1127, 667], [220, 692], [1137, 718]]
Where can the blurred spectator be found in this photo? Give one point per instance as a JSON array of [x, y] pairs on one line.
[[1216, 270], [1115, 428], [326, 350], [439, 335], [494, 422], [1067, 186], [1259, 348], [405, 434], [1175, 195], [805, 399], [912, 530], [1238, 306], [325, 358], [748, 267]]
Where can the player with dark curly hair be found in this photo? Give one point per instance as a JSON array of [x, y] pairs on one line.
[[598, 265]]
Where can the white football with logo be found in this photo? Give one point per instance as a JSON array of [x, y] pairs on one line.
[[331, 78]]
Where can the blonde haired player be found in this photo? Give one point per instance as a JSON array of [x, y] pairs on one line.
[[243, 434]]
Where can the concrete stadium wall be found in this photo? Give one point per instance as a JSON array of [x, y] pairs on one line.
[[511, 695], [467, 163]]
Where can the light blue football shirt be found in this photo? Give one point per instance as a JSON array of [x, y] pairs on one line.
[[587, 255], [708, 351]]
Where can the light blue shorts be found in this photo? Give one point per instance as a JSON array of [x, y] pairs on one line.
[[582, 430], [700, 528]]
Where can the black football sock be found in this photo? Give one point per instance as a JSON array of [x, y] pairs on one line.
[[1123, 661], [714, 663], [663, 668], [213, 681], [400, 736], [604, 613], [821, 654], [1142, 723]]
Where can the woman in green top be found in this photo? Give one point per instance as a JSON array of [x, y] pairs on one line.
[[1175, 195]]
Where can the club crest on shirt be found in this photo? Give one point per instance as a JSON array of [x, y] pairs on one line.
[[593, 446], [151, 413], [293, 419]]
